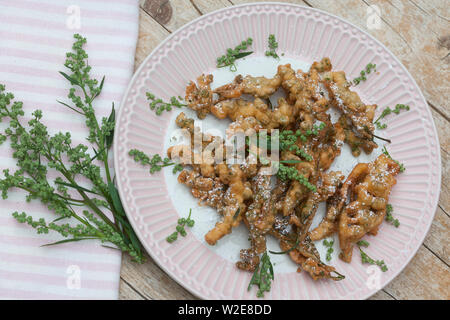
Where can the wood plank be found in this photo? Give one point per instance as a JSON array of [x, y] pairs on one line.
[[171, 15], [444, 201], [152, 282], [438, 238], [436, 8], [442, 129], [444, 140], [425, 277], [429, 61], [381, 295], [409, 35], [126, 292], [150, 35], [206, 6]]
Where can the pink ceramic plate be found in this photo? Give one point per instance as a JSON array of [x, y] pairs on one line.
[[153, 203]]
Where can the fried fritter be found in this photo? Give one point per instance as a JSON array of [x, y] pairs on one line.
[[366, 212]]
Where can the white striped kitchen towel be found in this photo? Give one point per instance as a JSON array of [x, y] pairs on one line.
[[34, 37]]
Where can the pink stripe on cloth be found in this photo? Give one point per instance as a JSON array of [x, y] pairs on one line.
[[45, 57], [49, 25], [20, 294], [57, 42], [57, 92], [37, 241], [36, 33], [52, 280], [44, 73], [59, 8]]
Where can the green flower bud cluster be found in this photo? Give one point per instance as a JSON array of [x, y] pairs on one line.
[[155, 162], [37, 153], [159, 106], [286, 173], [329, 246], [262, 276], [273, 45], [233, 54], [180, 228], [389, 217], [366, 259], [402, 167], [387, 111], [288, 140], [364, 73]]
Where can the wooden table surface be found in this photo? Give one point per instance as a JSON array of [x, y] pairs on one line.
[[418, 33]]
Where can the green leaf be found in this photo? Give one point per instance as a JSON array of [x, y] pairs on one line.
[[65, 104], [71, 80], [134, 240], [122, 216], [291, 161], [242, 54], [79, 188], [339, 276], [60, 218], [297, 242], [100, 86], [116, 199], [109, 247], [101, 83], [96, 154], [111, 120], [130, 233], [236, 214], [262, 276], [119, 214], [68, 240]]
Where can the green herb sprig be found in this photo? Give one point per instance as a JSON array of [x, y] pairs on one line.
[[156, 162], [159, 106], [297, 242], [273, 45], [402, 167], [389, 217], [40, 154], [363, 243], [363, 74], [366, 259], [329, 246], [180, 228], [286, 173], [228, 59], [387, 111], [288, 141], [263, 276]]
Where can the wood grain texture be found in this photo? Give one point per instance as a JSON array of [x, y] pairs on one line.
[[205, 6], [151, 33], [417, 32], [151, 282], [127, 292], [425, 277], [381, 295]]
